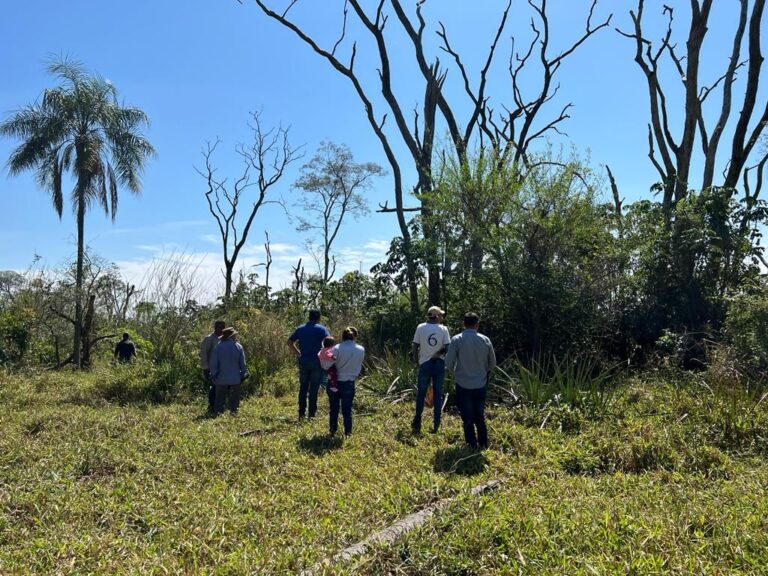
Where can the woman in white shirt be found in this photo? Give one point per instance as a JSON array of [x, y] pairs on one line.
[[348, 359]]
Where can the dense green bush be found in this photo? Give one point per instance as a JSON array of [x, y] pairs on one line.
[[746, 327]]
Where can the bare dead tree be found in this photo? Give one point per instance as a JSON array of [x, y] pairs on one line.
[[617, 203], [264, 162], [298, 281], [418, 136], [672, 155], [267, 267], [516, 128]]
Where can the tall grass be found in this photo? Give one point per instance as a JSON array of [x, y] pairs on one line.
[[575, 381], [391, 376]]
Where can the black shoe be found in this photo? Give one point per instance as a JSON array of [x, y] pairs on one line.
[[416, 427], [434, 429]]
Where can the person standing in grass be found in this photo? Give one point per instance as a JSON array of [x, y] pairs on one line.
[[206, 347], [228, 370], [125, 350], [309, 338], [429, 345], [472, 359], [348, 359]]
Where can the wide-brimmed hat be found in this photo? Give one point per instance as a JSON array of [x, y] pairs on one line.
[[435, 311], [227, 333]]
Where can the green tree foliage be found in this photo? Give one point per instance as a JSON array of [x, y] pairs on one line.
[[535, 253], [332, 186], [81, 128]]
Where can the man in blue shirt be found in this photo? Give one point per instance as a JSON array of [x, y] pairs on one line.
[[309, 338]]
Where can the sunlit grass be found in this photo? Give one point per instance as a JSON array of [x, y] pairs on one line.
[[672, 481]]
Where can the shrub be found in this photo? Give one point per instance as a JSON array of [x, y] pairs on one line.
[[746, 326], [578, 382]]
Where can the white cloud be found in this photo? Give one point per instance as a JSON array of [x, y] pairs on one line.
[[378, 246], [206, 267]]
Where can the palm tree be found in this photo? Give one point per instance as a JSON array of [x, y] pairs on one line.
[[79, 127]]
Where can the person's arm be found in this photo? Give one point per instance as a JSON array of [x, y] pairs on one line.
[[292, 344], [451, 355], [133, 350], [213, 365], [243, 366], [117, 348], [204, 354], [415, 352], [491, 358], [446, 341]]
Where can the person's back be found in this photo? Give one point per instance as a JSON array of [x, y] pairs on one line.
[[125, 349], [227, 362], [429, 344], [309, 338], [206, 350], [472, 358], [349, 360]]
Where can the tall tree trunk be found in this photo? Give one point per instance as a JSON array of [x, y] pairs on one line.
[[228, 267], [79, 276], [86, 332]]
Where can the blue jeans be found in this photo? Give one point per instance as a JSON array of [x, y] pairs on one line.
[[343, 397], [471, 403], [310, 376], [432, 370]]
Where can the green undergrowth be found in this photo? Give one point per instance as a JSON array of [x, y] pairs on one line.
[[97, 479]]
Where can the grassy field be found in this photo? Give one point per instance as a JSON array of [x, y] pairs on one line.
[[673, 479]]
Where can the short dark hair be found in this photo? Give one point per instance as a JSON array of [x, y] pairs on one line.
[[126, 335], [350, 333], [471, 319], [219, 323], [328, 341], [314, 315]]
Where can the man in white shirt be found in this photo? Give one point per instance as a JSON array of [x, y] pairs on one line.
[[429, 345]]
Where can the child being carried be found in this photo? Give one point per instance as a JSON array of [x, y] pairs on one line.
[[327, 358]]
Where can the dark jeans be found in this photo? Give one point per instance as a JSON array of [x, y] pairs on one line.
[[343, 397], [233, 393], [211, 392], [431, 370], [310, 377], [471, 403]]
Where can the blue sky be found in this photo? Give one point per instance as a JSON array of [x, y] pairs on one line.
[[199, 67]]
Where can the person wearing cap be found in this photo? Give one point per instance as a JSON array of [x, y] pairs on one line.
[[228, 370], [471, 358], [309, 338], [430, 342], [206, 348]]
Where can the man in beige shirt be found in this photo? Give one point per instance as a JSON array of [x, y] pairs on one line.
[[206, 347]]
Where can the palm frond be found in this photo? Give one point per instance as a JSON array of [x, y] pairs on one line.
[[112, 189], [67, 68]]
